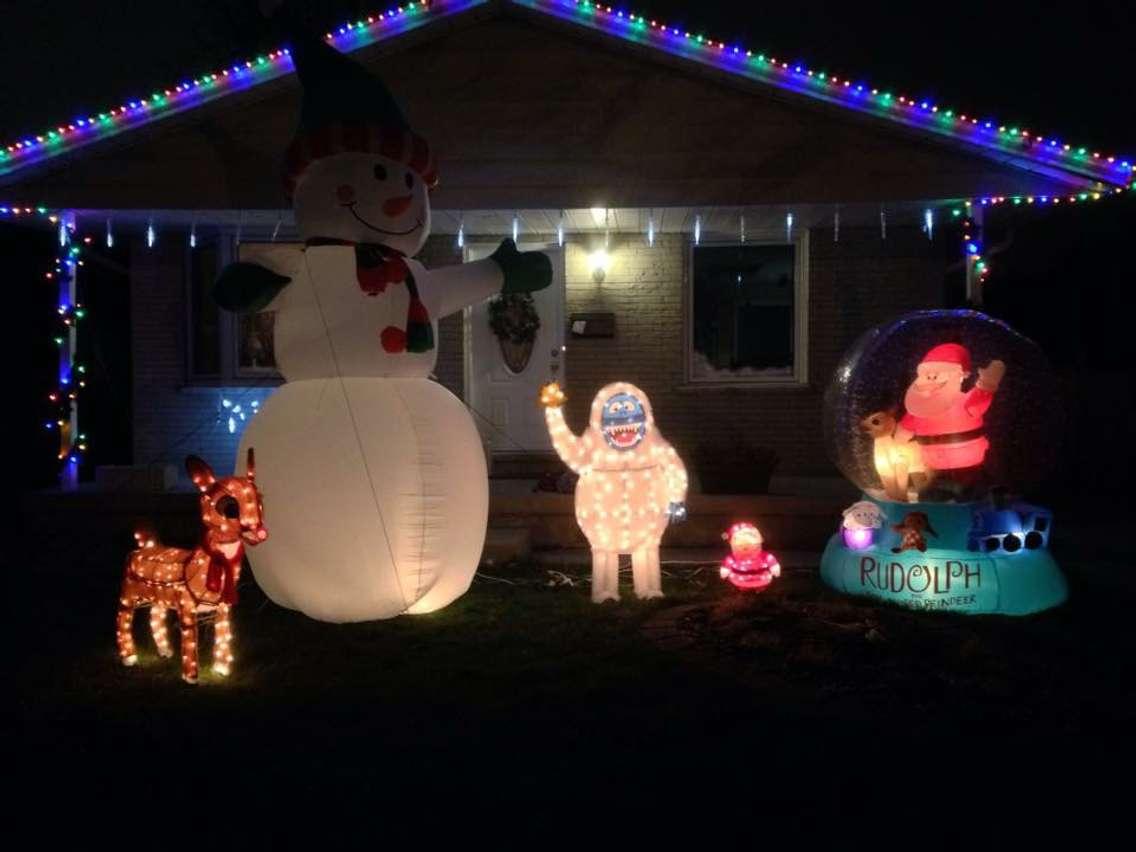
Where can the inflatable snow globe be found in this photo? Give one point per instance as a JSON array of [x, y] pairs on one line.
[[943, 419]]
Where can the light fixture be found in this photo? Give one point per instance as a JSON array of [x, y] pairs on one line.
[[598, 262]]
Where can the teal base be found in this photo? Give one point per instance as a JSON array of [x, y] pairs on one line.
[[948, 576]]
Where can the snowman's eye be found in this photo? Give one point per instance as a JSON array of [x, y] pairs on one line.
[[380, 172], [409, 180]]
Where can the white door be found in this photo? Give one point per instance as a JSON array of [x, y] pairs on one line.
[[504, 402]]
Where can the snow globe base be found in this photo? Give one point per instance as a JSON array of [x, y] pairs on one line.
[[979, 559]]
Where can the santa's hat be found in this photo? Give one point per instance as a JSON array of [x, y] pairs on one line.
[[949, 353], [345, 108]]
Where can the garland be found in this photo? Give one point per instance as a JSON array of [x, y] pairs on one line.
[[513, 317]]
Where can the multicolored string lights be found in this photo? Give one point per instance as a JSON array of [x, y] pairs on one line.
[[1039, 150], [64, 398], [835, 88]]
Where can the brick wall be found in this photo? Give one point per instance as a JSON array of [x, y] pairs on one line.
[[853, 284]]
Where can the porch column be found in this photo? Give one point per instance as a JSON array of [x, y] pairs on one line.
[[974, 260], [68, 384]]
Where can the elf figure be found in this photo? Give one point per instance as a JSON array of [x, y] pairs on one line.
[[749, 566], [377, 472], [945, 420]]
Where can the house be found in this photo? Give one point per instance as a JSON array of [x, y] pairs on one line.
[[722, 223]]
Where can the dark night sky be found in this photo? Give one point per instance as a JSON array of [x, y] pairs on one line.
[[1022, 63]]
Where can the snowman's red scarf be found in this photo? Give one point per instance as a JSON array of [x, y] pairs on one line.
[[376, 266]]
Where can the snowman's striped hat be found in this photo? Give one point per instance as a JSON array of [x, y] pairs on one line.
[[396, 143], [347, 109]]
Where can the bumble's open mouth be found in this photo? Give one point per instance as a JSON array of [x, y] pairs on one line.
[[623, 434]]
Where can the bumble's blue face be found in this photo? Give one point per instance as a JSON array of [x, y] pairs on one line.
[[623, 421]]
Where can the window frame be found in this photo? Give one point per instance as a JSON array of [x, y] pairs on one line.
[[231, 374], [800, 371]]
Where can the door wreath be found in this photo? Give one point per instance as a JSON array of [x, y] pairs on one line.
[[514, 322]]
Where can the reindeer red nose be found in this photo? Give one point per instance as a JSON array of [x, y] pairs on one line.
[[261, 534], [397, 206]]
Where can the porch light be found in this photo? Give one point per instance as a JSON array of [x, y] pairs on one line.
[[598, 262]]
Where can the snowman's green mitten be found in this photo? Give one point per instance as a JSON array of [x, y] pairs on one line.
[[524, 271], [246, 288]]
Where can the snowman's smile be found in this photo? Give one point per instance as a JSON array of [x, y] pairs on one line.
[[367, 224]]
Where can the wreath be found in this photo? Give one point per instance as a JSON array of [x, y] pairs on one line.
[[513, 318]]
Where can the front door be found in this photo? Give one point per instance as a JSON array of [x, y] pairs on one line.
[[502, 385]]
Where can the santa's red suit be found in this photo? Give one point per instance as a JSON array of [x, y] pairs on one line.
[[953, 439]]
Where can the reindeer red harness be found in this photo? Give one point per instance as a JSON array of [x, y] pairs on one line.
[[199, 581]]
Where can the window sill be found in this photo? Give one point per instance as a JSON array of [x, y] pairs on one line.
[[207, 385]]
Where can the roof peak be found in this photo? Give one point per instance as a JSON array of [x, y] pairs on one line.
[[1079, 166]]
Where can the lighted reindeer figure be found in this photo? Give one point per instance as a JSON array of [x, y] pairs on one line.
[[199, 581]]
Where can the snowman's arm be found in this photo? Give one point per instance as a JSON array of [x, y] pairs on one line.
[[244, 287], [507, 270], [569, 447], [452, 288]]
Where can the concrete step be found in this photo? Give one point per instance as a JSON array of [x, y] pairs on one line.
[[577, 558], [506, 544]]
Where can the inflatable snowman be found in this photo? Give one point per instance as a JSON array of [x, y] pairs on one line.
[[376, 473]]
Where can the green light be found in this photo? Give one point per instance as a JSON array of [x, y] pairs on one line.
[[58, 341]]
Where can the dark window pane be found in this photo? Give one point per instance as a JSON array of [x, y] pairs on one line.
[[743, 311], [255, 341], [206, 331]]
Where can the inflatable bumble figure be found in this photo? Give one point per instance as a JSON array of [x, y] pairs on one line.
[[941, 418], [632, 484], [376, 473]]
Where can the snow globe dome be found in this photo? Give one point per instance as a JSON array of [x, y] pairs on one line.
[[962, 400], [943, 418]]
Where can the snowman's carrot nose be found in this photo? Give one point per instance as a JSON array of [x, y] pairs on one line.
[[397, 206]]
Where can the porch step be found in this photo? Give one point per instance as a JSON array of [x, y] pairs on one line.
[[506, 544], [528, 465]]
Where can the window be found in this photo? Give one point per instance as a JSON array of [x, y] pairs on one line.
[[223, 348], [746, 313]]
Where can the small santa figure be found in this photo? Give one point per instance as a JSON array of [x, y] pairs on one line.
[[944, 419], [749, 566]]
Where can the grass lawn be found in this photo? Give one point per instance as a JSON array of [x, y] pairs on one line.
[[521, 692]]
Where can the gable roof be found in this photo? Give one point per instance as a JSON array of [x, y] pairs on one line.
[[1077, 167]]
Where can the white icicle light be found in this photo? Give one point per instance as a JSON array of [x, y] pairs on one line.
[[742, 227], [461, 234], [151, 235], [632, 484], [560, 230], [697, 230], [193, 236], [928, 222], [789, 227], [883, 225], [109, 235], [651, 230], [516, 227]]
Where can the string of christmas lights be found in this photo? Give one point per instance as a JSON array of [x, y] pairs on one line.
[[64, 398], [630, 26], [838, 89]]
